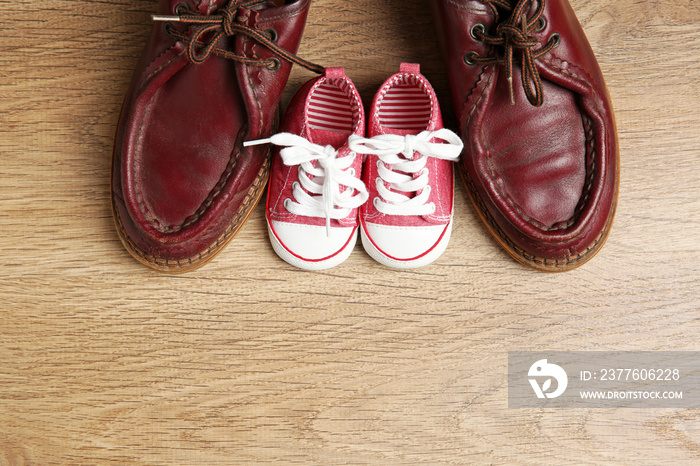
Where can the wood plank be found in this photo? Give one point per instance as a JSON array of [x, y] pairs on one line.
[[249, 360]]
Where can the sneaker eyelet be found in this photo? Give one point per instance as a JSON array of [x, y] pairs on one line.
[[478, 28], [351, 171], [375, 202], [272, 34], [470, 57], [287, 203]]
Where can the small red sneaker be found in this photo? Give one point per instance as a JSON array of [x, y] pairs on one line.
[[315, 188], [408, 172]]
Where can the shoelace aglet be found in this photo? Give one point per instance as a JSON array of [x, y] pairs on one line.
[[257, 142], [165, 18], [328, 227], [510, 88]]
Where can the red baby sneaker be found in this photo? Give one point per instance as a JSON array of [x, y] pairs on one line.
[[408, 171], [315, 187], [541, 152], [210, 77]]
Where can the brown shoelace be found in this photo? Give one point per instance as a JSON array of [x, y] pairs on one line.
[[513, 34], [201, 43]]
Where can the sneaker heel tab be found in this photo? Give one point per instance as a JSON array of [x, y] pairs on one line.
[[334, 73], [411, 68]]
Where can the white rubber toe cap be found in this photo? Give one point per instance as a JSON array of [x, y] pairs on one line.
[[309, 246], [405, 247]]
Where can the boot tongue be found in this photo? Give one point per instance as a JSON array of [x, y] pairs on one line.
[[505, 13], [270, 4], [208, 7]]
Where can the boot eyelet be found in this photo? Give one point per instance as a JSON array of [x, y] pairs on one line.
[[541, 24], [556, 39], [469, 58], [181, 9], [274, 64], [272, 34], [478, 28]]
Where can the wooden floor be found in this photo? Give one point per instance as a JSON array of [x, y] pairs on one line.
[[250, 360]]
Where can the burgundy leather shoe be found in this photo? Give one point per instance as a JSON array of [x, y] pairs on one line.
[[210, 77], [541, 153]]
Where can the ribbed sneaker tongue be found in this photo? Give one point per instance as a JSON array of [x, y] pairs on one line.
[[323, 137], [400, 132]]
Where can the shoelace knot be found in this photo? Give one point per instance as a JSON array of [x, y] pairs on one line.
[[201, 43], [514, 35], [322, 174], [408, 173]]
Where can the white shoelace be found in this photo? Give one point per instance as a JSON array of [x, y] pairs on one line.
[[416, 149], [323, 180]]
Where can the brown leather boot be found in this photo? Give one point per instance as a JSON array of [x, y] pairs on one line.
[[541, 153], [210, 77]]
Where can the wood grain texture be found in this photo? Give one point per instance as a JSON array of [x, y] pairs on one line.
[[250, 360]]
